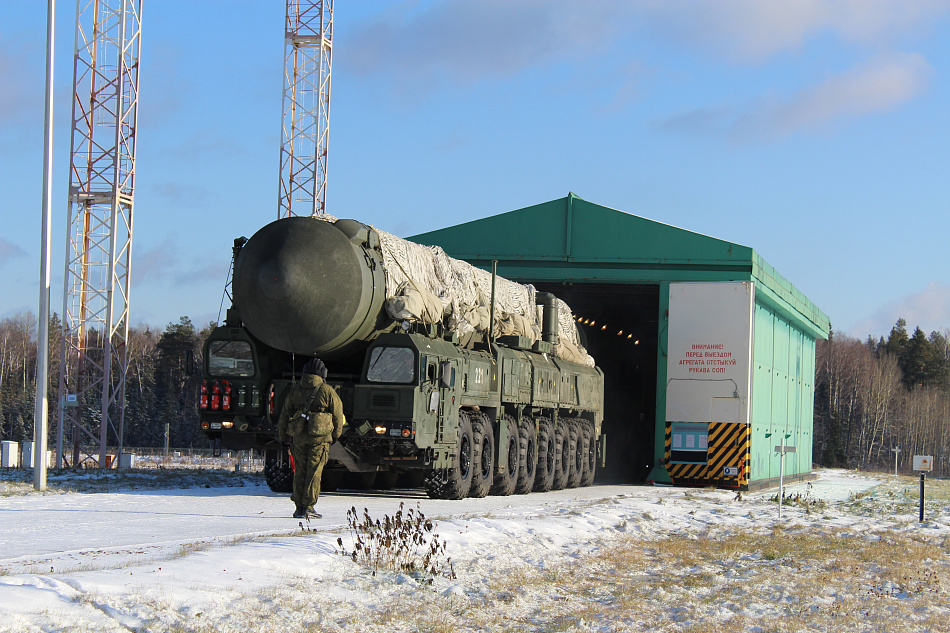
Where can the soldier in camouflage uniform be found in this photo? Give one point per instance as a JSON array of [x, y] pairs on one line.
[[312, 418]]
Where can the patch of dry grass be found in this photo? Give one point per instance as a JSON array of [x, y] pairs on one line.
[[718, 582]]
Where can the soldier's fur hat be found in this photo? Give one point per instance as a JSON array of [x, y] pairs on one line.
[[315, 366]]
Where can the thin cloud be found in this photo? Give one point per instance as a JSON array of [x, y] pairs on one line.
[[465, 42], [202, 272], [885, 84], [750, 31], [206, 144], [929, 309], [626, 89], [161, 94], [9, 250], [154, 264], [879, 87], [177, 193], [18, 89], [163, 264], [427, 44]]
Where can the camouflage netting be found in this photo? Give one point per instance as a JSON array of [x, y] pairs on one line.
[[423, 284]]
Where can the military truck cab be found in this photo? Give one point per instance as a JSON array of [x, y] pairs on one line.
[[244, 386], [234, 397], [403, 402]]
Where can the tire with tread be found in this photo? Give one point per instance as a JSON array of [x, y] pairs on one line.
[[277, 471], [454, 482], [577, 456], [590, 456], [547, 456], [483, 457], [529, 457], [564, 456], [507, 480]]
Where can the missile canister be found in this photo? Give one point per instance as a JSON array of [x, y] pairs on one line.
[[311, 287], [320, 286]]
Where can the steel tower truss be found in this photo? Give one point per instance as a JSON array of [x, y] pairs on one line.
[[308, 52], [99, 228]]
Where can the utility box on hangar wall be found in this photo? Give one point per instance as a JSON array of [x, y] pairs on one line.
[[654, 291]]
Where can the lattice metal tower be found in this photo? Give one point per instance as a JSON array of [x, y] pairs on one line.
[[94, 358], [308, 53]]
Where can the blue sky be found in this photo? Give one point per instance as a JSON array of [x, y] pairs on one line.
[[813, 131]]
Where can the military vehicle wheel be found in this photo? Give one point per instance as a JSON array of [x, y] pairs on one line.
[[547, 456], [330, 480], [386, 479], [590, 456], [564, 456], [528, 457], [455, 482], [577, 456], [483, 458], [277, 471], [506, 480]]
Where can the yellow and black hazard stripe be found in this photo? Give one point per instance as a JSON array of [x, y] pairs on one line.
[[729, 446]]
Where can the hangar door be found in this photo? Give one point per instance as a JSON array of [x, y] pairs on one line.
[[709, 382], [618, 324]]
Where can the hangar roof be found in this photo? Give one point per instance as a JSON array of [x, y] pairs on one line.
[[573, 240]]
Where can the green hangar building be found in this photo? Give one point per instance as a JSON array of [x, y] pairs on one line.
[[708, 352]]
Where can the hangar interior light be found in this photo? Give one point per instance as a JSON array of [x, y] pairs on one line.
[[582, 321]]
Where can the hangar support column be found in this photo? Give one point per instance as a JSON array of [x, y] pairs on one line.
[[659, 473]]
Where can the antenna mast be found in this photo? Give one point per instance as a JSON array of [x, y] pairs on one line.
[[308, 53], [94, 356]]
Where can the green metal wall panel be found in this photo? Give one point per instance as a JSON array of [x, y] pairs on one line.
[[806, 457], [763, 332], [779, 422], [783, 395]]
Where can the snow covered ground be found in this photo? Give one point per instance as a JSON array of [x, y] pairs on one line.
[[848, 555]]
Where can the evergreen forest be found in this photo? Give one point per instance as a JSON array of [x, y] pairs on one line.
[[158, 388], [873, 396]]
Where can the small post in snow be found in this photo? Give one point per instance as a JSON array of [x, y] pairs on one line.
[[782, 450], [924, 464], [896, 450]]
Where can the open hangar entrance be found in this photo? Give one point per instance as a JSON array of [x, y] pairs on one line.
[[618, 326], [619, 272]]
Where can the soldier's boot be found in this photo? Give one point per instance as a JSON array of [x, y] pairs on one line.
[[313, 514], [300, 512]]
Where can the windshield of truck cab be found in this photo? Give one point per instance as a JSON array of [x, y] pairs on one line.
[[230, 358], [391, 364]]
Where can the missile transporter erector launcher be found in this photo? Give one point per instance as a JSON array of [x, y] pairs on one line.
[[468, 383]]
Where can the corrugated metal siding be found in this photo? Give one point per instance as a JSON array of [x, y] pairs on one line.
[[783, 395], [762, 361]]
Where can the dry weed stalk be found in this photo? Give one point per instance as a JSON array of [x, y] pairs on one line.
[[404, 542]]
